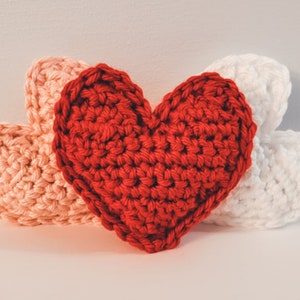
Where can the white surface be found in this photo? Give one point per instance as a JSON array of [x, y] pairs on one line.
[[159, 43], [86, 262]]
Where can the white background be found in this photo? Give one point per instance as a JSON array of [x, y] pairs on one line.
[[159, 43]]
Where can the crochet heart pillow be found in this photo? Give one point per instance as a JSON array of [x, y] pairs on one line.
[[152, 176]]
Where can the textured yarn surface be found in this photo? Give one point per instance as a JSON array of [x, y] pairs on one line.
[[33, 191], [152, 176], [268, 196]]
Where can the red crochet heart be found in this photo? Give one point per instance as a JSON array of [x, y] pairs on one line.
[[151, 176]]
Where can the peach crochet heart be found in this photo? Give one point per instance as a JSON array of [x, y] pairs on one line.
[[151, 176], [32, 189]]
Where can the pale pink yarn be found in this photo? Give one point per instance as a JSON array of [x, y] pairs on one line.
[[32, 189]]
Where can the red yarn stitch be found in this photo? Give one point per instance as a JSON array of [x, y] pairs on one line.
[[152, 176]]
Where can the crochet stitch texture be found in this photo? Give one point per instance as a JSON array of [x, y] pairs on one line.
[[268, 196], [152, 176], [33, 191]]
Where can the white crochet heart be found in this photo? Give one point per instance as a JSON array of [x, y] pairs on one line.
[[33, 191], [268, 195]]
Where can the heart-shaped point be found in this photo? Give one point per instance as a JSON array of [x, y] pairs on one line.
[[151, 176]]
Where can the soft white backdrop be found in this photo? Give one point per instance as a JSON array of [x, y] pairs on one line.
[[159, 43]]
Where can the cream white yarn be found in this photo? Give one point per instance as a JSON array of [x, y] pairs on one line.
[[268, 195], [33, 191]]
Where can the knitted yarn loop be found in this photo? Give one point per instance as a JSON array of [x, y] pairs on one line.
[[150, 176]]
